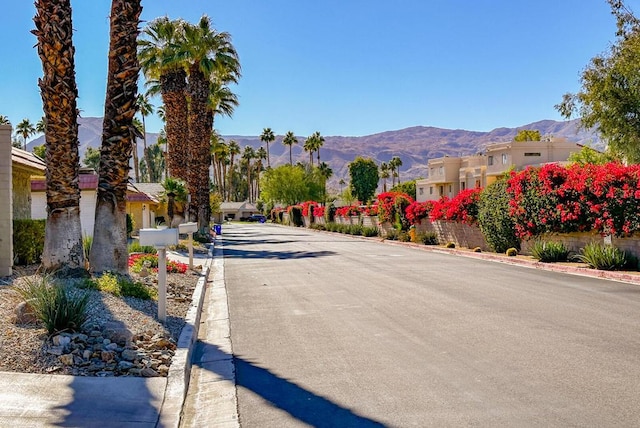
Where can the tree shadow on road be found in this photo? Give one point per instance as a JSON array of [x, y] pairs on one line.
[[281, 255], [302, 404]]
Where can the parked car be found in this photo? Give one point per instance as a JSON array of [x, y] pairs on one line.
[[257, 218]]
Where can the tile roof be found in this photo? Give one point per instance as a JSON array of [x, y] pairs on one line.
[[27, 160]]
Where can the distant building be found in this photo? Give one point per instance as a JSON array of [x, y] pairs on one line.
[[449, 175]]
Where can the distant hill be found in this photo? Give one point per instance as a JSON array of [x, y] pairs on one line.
[[414, 145]]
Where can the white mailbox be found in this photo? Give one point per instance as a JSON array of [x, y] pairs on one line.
[[188, 227], [159, 237]]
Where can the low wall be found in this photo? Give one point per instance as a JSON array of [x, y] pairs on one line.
[[463, 235], [578, 240]]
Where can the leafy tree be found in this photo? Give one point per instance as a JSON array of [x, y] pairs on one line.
[[364, 178], [151, 170], [63, 234], [267, 137], [527, 135], [610, 83], [92, 158], [325, 172], [588, 155], [291, 184], [408, 187], [40, 151], [494, 220]]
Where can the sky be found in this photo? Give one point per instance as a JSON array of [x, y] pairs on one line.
[[349, 67]]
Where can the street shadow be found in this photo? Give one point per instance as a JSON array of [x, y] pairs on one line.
[[280, 255], [302, 404]]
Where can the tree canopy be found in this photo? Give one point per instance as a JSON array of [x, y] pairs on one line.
[[291, 184], [364, 178], [527, 135], [609, 98]]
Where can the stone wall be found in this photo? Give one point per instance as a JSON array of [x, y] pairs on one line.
[[6, 208], [578, 240], [462, 235]]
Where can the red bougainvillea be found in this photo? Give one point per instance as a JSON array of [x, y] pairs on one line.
[[462, 208], [307, 207], [416, 211], [318, 211], [391, 208], [348, 211]]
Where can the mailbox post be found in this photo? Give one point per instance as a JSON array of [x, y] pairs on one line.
[[161, 239], [189, 228]]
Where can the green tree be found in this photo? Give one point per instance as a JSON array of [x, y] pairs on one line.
[[175, 195], [497, 226], [364, 178], [408, 187], [92, 158], [290, 185], [151, 170], [4, 120], [234, 149], [63, 234], [145, 108], [267, 137], [289, 140], [40, 151], [41, 126], [608, 98], [25, 129], [384, 175], [588, 155], [527, 135], [325, 172], [394, 164]]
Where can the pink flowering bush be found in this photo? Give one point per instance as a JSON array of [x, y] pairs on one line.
[[417, 211], [462, 208], [348, 211], [391, 208]]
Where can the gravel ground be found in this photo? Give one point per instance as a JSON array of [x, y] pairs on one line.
[[23, 347]]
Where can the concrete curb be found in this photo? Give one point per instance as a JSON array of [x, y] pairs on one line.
[[180, 371]]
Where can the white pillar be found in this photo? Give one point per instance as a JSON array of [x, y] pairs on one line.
[[162, 284]]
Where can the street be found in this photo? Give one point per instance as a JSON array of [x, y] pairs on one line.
[[329, 330]]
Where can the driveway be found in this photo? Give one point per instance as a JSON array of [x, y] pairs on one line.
[[330, 331]]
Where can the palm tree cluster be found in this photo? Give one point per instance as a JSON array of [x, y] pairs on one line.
[[191, 66]]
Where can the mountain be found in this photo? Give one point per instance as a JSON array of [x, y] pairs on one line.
[[414, 145]]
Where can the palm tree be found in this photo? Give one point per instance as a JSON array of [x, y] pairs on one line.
[[41, 125], [152, 172], [175, 191], [161, 62], [63, 232], [109, 247], [4, 120], [25, 129], [218, 152], [309, 146], [325, 172], [261, 155], [341, 183], [247, 155], [289, 140], [234, 149], [384, 174], [267, 137], [210, 56], [318, 142], [145, 108], [395, 163]]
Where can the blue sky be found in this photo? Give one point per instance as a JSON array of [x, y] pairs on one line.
[[351, 67]]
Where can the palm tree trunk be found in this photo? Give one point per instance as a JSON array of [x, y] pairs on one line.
[[109, 248], [63, 232], [136, 166], [173, 87], [290, 156], [145, 152]]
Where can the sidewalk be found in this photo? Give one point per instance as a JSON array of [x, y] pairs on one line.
[[41, 400]]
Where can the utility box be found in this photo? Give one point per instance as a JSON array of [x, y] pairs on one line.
[[188, 227], [158, 237]]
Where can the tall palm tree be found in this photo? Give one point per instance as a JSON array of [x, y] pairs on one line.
[[395, 163], [261, 155], [267, 137], [209, 54], [4, 120], [248, 155], [109, 247], [325, 172], [318, 141], [161, 62], [63, 231], [384, 174], [25, 129], [289, 140], [309, 146], [137, 130], [145, 108], [234, 149], [175, 192], [41, 125], [218, 151]]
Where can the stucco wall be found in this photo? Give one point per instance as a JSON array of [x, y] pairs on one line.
[[87, 209], [6, 207], [21, 194]]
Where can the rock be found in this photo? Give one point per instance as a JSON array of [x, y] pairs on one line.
[[148, 372], [125, 365], [24, 314], [60, 340], [144, 272], [164, 343], [106, 341], [107, 356], [118, 333], [55, 350], [79, 337], [163, 370], [87, 354], [130, 354], [95, 333], [66, 359]]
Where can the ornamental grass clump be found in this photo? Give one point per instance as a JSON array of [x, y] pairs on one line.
[[604, 257], [58, 307], [428, 238], [549, 251], [121, 286]]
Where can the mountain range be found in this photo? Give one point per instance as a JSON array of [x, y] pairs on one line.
[[414, 145]]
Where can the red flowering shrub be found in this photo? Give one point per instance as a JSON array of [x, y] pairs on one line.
[[137, 261], [318, 211], [553, 198], [348, 211], [371, 210], [462, 208], [416, 211], [391, 208], [307, 207]]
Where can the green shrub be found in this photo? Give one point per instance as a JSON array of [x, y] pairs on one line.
[[87, 242], [369, 231], [58, 307], [392, 235], [130, 225], [450, 245], [549, 251], [428, 238], [135, 247], [122, 286], [604, 257], [497, 226], [512, 252], [404, 236], [317, 226], [354, 229], [28, 241]]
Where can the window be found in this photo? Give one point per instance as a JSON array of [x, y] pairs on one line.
[[463, 185], [449, 188], [490, 160], [431, 190], [532, 154], [504, 159], [421, 191], [441, 170], [441, 190]]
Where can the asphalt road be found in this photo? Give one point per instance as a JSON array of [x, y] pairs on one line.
[[332, 331]]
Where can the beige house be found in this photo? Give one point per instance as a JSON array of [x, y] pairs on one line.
[[234, 211], [16, 169], [449, 175]]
